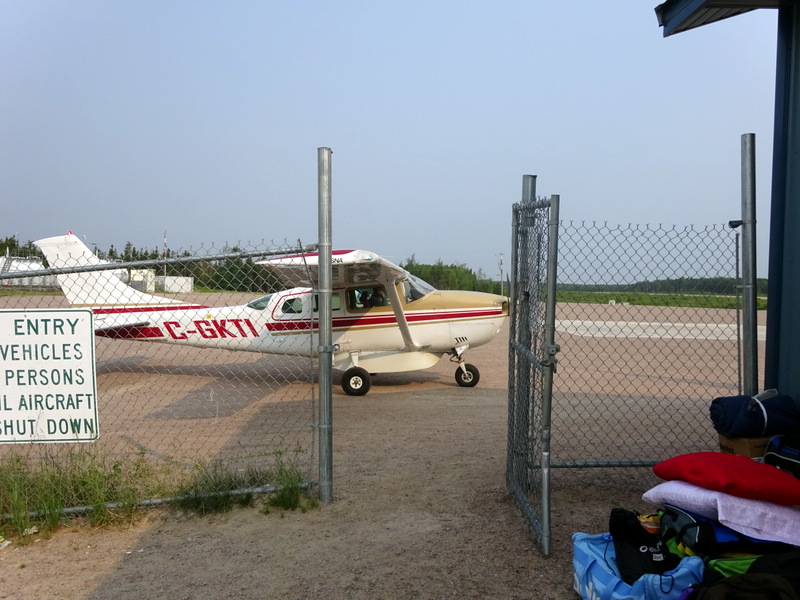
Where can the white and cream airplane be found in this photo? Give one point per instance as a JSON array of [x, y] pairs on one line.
[[383, 318]]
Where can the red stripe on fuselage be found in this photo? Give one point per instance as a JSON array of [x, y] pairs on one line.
[[385, 319], [131, 333], [120, 310], [139, 332]]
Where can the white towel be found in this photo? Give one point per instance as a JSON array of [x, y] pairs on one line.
[[755, 518]]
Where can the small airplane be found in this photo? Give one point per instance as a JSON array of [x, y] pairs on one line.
[[383, 318]]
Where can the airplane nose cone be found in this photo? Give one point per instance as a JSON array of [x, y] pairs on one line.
[[502, 301]]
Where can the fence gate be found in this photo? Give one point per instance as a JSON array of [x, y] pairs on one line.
[[532, 356], [648, 333]]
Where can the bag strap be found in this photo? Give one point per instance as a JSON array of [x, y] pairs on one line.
[[763, 411]]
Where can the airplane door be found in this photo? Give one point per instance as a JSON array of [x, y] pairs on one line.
[[294, 307], [293, 322]]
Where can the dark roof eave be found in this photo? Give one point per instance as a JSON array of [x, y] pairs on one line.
[[677, 16]]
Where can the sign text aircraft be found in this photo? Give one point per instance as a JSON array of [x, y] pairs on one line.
[[383, 318]]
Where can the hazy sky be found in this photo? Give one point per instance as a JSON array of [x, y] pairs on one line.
[[122, 120]]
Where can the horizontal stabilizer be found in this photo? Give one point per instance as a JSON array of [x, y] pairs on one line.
[[118, 321]]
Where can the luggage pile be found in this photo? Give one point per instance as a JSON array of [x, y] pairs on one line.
[[724, 526]]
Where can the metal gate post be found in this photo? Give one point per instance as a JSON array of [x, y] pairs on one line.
[[519, 334], [750, 324], [325, 328], [549, 363]]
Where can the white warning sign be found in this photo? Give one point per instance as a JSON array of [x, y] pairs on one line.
[[48, 387]]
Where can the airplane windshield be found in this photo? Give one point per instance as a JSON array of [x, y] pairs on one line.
[[260, 303], [415, 288]]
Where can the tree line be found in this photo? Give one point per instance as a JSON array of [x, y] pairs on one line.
[[244, 275], [719, 286], [11, 246], [451, 277]]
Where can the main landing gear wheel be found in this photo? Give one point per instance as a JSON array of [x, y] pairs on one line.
[[468, 376], [356, 381]]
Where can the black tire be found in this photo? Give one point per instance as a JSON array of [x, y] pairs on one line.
[[356, 381], [470, 378]]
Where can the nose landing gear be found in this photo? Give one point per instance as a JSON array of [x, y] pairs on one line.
[[467, 375]]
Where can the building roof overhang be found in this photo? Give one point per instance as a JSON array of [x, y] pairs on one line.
[[676, 16]]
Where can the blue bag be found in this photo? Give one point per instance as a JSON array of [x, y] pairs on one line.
[[597, 576], [747, 416]]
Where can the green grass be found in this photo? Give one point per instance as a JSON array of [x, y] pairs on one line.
[[12, 291], [645, 299], [215, 488], [42, 490], [36, 490], [290, 493]]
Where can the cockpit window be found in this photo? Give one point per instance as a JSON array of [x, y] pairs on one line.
[[292, 306], [415, 288], [336, 301], [260, 303], [367, 297]]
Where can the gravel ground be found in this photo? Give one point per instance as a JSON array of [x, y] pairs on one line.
[[420, 511]]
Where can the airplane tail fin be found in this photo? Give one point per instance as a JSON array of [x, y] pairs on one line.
[[91, 288]]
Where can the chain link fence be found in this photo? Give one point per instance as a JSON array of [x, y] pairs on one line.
[[188, 400], [648, 325], [648, 333]]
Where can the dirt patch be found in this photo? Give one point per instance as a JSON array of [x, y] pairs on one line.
[[420, 511]]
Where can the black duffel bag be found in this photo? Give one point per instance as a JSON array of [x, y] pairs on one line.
[[783, 451]]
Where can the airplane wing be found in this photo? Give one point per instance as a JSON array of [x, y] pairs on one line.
[[349, 267]]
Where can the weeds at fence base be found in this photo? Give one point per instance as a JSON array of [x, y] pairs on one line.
[[41, 490], [290, 493], [216, 489], [42, 487]]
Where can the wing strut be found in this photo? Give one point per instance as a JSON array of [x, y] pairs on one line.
[[400, 315]]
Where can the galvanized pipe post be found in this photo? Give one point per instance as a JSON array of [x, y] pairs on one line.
[[519, 333], [750, 308], [324, 292], [528, 196], [550, 348]]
